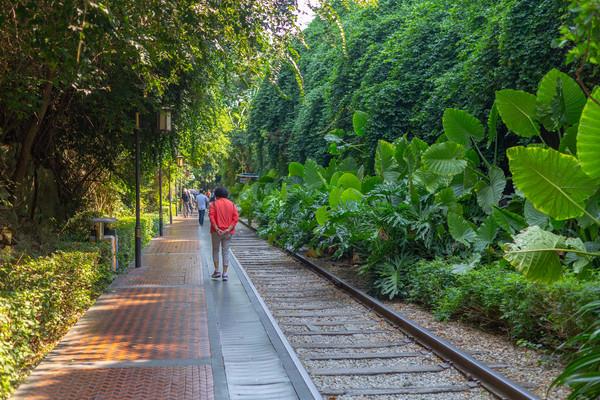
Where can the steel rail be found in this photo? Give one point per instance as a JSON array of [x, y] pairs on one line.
[[491, 380]]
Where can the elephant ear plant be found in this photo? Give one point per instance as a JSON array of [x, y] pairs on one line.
[[561, 184]]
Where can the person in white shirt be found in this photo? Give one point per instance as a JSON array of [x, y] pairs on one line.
[[202, 203]]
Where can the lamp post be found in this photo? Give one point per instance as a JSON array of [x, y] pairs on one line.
[[170, 198], [179, 160], [164, 126], [138, 228]]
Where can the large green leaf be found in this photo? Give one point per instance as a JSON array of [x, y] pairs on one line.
[[534, 253], [334, 178], [359, 122], [296, 169], [369, 183], [558, 87], [553, 182], [518, 111], [460, 126], [486, 233], [351, 195], [385, 162], [492, 124], [349, 180], [490, 193], [534, 217], [460, 229], [431, 181], [412, 154], [348, 164], [568, 143], [446, 197], [322, 215], [313, 177], [335, 196], [507, 220], [445, 158], [588, 137], [401, 145]]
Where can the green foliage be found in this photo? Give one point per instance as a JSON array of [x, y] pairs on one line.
[[348, 180], [560, 100], [490, 193], [518, 111], [501, 300], [359, 122], [445, 158], [385, 163], [296, 169], [125, 228], [406, 62], [582, 32], [588, 138], [39, 300], [351, 195], [80, 226], [461, 230], [536, 253], [313, 176], [553, 182], [460, 126], [75, 73], [582, 373]]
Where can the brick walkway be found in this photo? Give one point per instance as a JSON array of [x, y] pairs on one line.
[[146, 338]]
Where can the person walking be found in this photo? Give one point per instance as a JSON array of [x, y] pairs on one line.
[[202, 204], [223, 215], [185, 198]]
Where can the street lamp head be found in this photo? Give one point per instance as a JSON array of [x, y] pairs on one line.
[[179, 160], [164, 120]]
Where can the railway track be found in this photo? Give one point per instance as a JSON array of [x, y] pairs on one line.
[[351, 351]]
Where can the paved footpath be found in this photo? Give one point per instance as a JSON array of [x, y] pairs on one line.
[[166, 331]]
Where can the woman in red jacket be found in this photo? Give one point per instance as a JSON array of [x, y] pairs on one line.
[[223, 216]]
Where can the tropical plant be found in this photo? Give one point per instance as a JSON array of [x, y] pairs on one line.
[[582, 374]]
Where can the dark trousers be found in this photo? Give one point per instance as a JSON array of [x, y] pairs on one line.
[[201, 216]]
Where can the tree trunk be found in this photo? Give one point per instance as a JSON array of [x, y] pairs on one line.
[[25, 153], [36, 185]]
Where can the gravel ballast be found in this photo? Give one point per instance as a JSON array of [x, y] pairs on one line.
[[532, 369]]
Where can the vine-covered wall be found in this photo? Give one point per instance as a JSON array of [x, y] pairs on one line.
[[405, 62]]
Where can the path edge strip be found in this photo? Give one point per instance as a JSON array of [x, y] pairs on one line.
[[299, 377]]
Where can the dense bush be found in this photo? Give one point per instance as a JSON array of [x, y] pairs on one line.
[[39, 300], [494, 297], [125, 227]]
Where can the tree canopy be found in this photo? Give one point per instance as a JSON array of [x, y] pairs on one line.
[[73, 74]]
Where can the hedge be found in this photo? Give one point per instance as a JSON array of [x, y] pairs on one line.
[[40, 298], [125, 227]]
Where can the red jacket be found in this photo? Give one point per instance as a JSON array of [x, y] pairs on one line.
[[223, 214]]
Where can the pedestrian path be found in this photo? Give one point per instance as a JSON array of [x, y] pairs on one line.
[[166, 331]]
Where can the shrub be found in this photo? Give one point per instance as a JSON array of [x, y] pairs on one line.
[[125, 227], [491, 296], [79, 227], [495, 297], [39, 300]]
